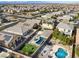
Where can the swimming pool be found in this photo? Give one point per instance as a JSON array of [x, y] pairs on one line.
[[40, 40], [61, 53]]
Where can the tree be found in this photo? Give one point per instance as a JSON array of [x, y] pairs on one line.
[[60, 36], [36, 26], [54, 17]]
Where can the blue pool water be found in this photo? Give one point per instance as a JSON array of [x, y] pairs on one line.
[[40, 39], [61, 53]]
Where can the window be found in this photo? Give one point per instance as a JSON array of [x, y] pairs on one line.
[[68, 30]]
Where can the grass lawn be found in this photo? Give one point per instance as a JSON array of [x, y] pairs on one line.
[[28, 49]]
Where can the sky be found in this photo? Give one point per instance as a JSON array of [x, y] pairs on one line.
[[40, 0], [53, 1]]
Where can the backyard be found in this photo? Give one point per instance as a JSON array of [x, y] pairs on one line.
[[28, 49], [64, 39]]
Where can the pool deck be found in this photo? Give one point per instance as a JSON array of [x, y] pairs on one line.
[[34, 42], [41, 33], [66, 48], [45, 52]]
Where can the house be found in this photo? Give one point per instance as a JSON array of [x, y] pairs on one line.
[[16, 29], [47, 16], [14, 36], [22, 28], [65, 18], [11, 18], [0, 21], [11, 41], [47, 26], [4, 53], [65, 28], [73, 14], [51, 21], [57, 13], [5, 39]]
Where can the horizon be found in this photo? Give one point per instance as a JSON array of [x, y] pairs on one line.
[[32, 1], [50, 1]]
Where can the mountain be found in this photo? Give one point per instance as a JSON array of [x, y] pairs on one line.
[[24, 2], [35, 2]]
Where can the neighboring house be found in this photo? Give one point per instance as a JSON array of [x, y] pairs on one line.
[[3, 20], [22, 28], [0, 21], [17, 29], [47, 16], [65, 28], [11, 18], [75, 22], [65, 18], [11, 41], [57, 13], [47, 26], [13, 37], [73, 14], [4, 53], [51, 21], [5, 39]]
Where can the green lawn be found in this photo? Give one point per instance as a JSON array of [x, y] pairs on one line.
[[28, 49]]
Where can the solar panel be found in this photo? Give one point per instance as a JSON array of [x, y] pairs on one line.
[[7, 37]]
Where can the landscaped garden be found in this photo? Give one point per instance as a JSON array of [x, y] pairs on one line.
[[28, 49], [64, 39]]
